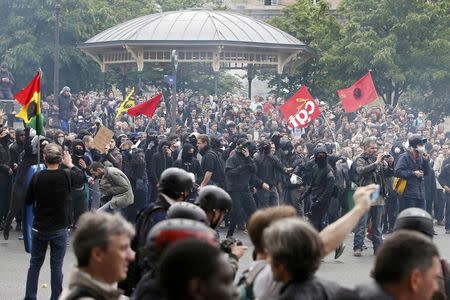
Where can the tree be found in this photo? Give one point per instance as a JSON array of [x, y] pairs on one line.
[[404, 42], [313, 25], [27, 37], [171, 5]]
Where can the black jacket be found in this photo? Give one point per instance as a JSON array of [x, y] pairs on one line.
[[372, 291], [211, 161], [49, 192], [16, 149], [159, 162], [405, 168], [238, 171], [65, 106], [5, 160], [191, 166], [315, 289], [266, 167], [147, 288]]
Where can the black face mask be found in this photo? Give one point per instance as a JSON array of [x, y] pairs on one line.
[[321, 161], [78, 152], [187, 156]]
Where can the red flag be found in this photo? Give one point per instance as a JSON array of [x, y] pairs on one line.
[[146, 108], [300, 109], [359, 94]]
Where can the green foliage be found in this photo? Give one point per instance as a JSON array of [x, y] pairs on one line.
[[171, 5], [312, 25], [27, 38], [404, 42]]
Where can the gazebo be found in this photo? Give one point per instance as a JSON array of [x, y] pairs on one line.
[[226, 40]]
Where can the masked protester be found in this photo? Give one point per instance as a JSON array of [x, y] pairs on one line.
[[239, 169], [321, 187], [266, 167], [6, 173], [29, 158], [189, 162], [79, 191]]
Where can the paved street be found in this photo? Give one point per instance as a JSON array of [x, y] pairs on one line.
[[347, 271]]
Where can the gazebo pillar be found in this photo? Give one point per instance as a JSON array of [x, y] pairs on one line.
[[216, 68], [216, 82], [250, 76], [124, 70], [139, 81]]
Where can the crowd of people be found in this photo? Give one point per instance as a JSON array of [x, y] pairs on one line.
[[245, 169]]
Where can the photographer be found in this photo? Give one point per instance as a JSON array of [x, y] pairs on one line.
[[372, 167], [413, 165], [239, 168]]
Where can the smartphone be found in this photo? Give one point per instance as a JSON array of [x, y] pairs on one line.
[[375, 195]]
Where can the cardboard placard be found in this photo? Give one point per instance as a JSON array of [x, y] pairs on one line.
[[103, 137]]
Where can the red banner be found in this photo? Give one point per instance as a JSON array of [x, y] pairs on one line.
[[146, 108], [359, 94], [300, 109]]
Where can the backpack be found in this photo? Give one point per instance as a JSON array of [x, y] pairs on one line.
[[247, 280], [144, 223]]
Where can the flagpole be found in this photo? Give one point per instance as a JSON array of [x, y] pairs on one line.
[[37, 127], [329, 128]]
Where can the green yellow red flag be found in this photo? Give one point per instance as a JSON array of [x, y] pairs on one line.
[[30, 99], [126, 104]]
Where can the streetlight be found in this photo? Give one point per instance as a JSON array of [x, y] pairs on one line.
[[173, 103], [56, 51]]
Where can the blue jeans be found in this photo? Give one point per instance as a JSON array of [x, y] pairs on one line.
[[65, 125], [376, 213], [413, 202], [58, 244]]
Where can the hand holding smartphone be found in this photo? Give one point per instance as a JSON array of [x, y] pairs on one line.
[[375, 195]]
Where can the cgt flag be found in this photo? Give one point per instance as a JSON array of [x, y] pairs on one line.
[[30, 99], [146, 108], [359, 94], [126, 104], [300, 109]]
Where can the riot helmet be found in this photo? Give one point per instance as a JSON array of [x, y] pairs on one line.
[[415, 219]]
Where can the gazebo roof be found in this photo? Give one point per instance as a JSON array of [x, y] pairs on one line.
[[196, 27], [224, 39]]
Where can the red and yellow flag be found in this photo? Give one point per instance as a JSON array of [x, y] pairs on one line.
[[30, 99]]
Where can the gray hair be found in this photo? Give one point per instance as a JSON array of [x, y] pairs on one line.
[[53, 153], [94, 230], [295, 244]]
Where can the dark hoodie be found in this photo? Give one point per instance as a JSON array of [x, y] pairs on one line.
[[4, 156], [77, 154], [189, 163], [17, 147], [321, 179], [160, 161]]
